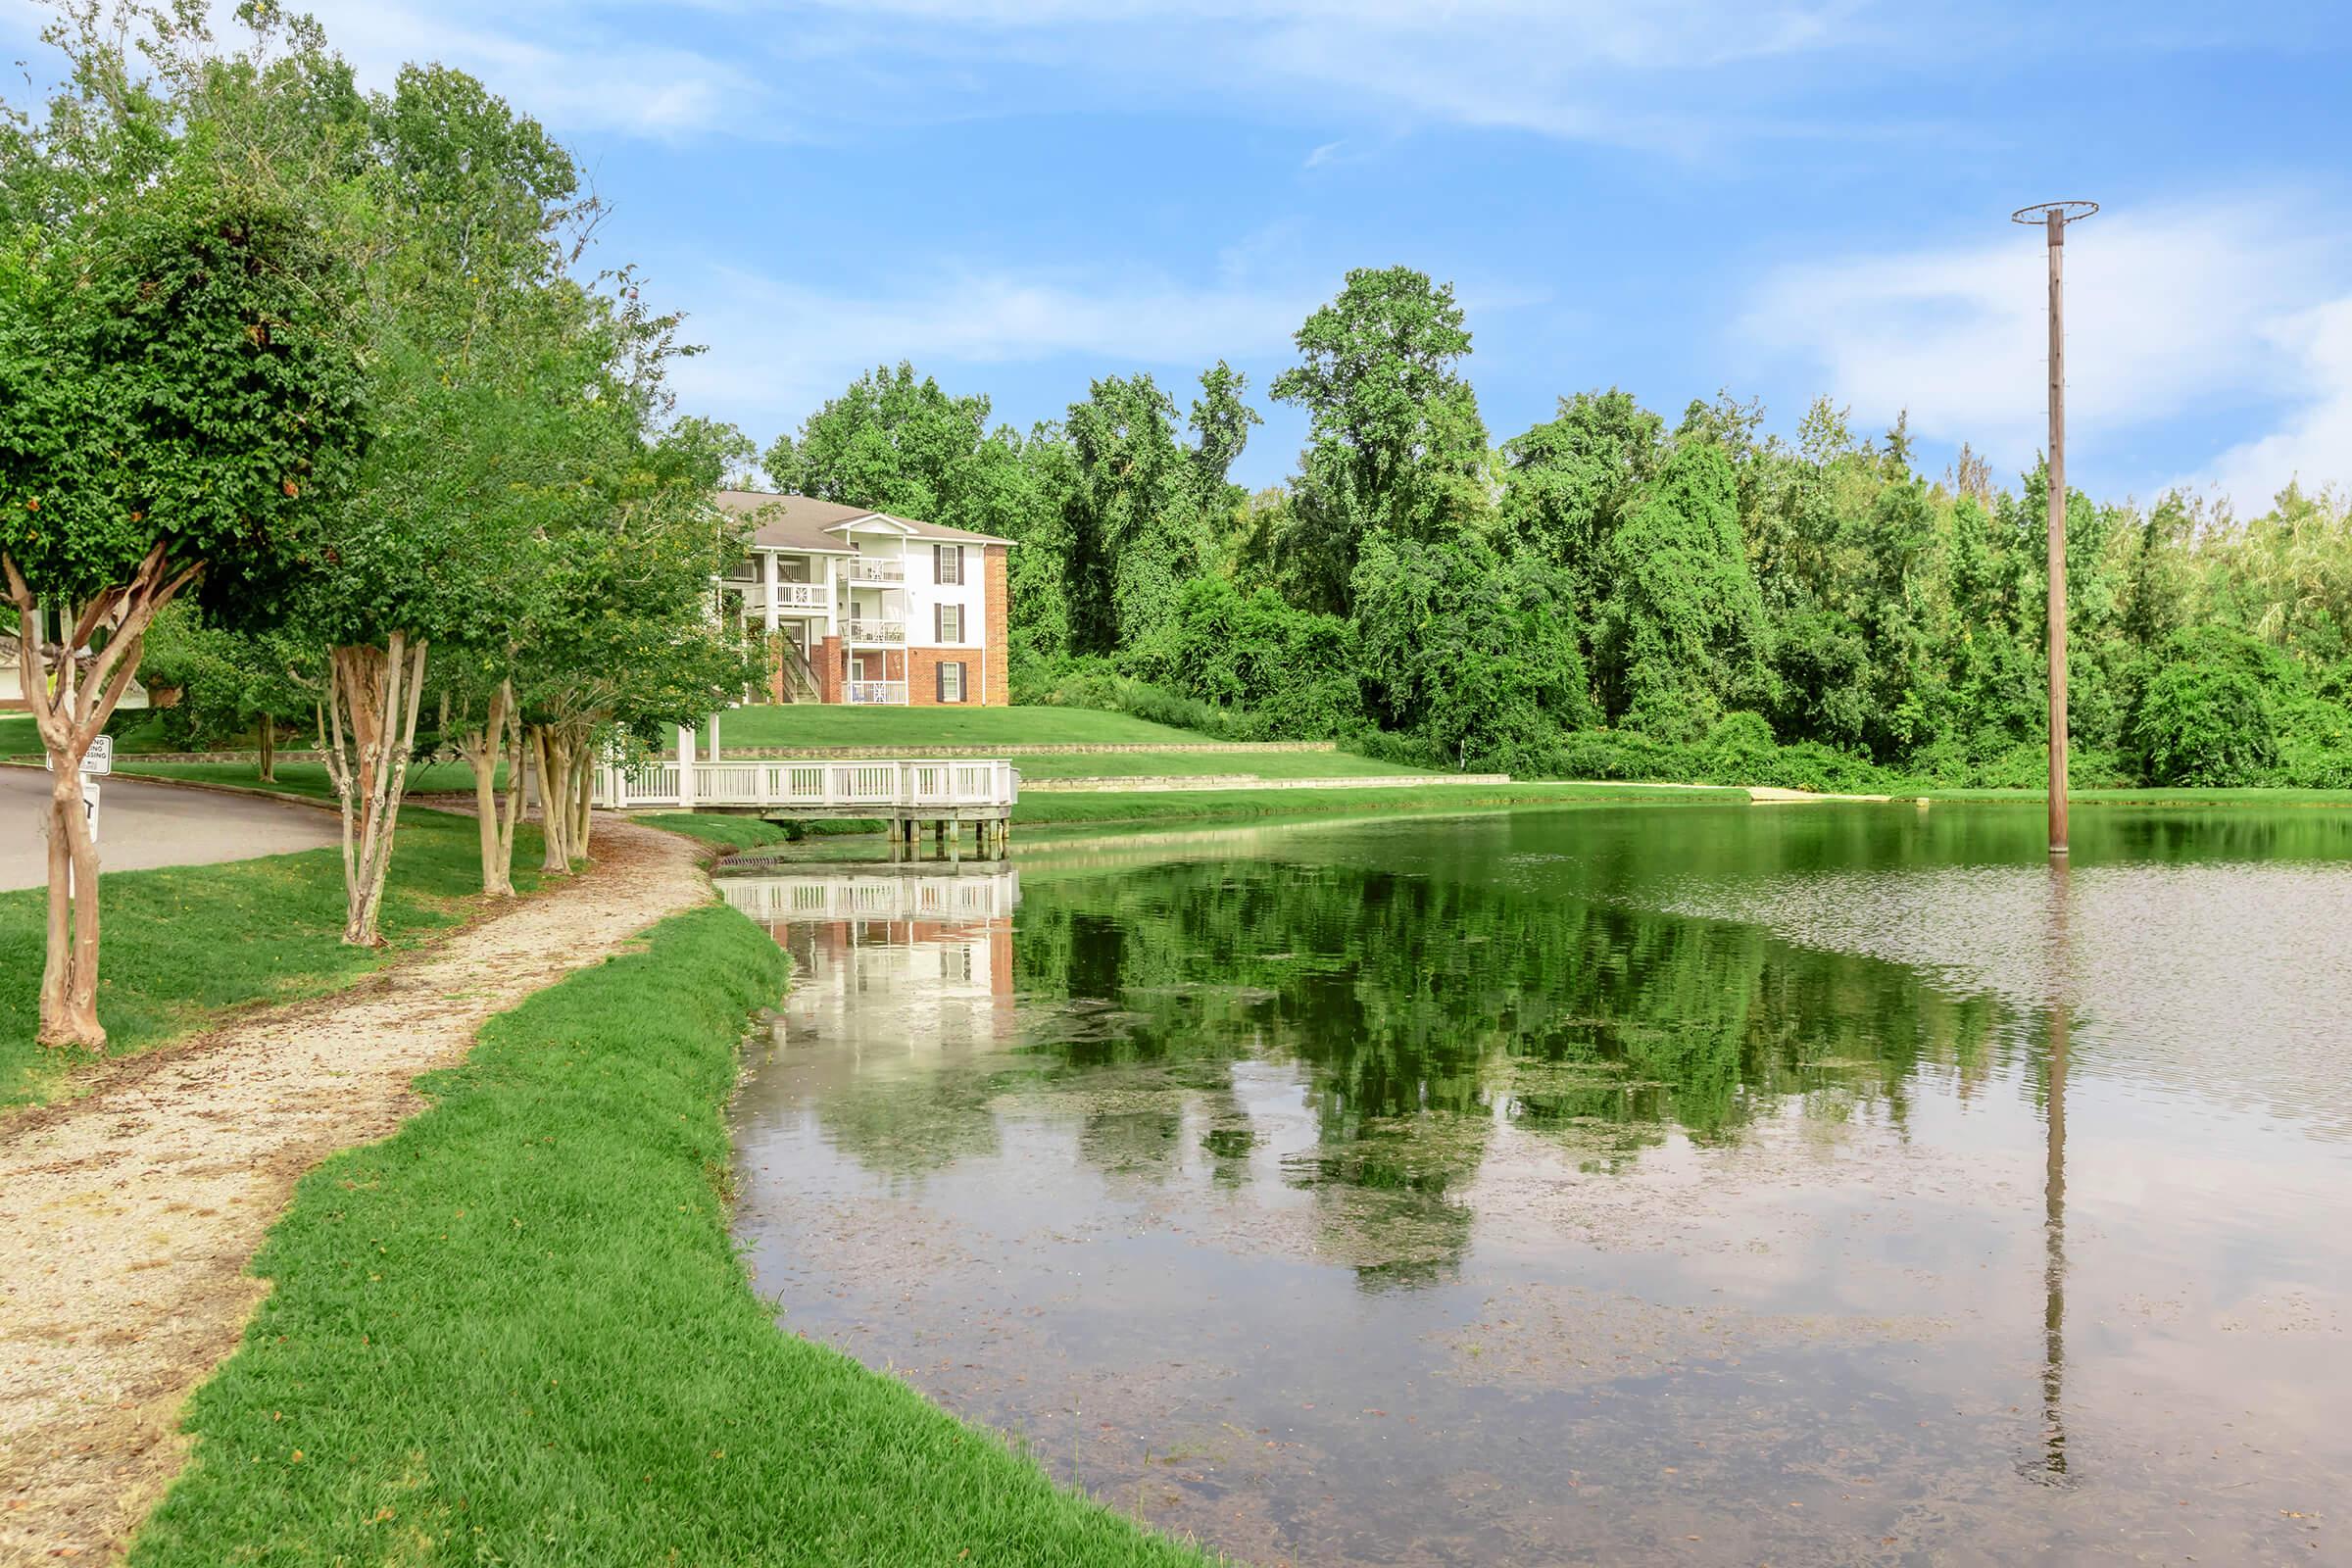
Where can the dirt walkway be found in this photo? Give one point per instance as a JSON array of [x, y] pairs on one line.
[[130, 1214]]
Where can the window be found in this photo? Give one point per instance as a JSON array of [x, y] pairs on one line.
[[947, 564], [950, 682], [947, 624]]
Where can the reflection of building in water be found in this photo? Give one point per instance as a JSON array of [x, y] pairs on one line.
[[902, 955]]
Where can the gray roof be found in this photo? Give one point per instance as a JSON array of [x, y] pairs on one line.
[[798, 523]]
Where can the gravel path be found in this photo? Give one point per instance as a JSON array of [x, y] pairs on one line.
[[132, 1212]]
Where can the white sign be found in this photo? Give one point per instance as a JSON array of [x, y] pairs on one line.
[[99, 760], [90, 805]]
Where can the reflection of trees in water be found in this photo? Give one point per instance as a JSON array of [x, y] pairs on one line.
[[1421, 1011]]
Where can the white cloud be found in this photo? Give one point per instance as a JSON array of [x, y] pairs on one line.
[[567, 67], [1580, 69], [2315, 446], [780, 348], [2170, 313]]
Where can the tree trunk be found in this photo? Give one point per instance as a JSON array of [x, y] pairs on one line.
[[373, 694], [269, 749], [583, 763], [510, 809], [71, 699], [483, 749], [551, 751]]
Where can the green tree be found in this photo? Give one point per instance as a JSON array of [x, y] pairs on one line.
[[1567, 484], [1477, 656], [1682, 638], [894, 442], [1134, 501], [1395, 441], [179, 405]]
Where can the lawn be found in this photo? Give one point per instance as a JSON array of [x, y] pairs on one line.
[[181, 944], [902, 728], [294, 778], [518, 1331]]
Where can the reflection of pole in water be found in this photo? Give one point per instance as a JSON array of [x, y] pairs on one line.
[[2051, 1463]]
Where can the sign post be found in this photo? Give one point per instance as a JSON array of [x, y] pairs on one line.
[[96, 764]]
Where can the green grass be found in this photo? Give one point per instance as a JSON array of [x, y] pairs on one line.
[[180, 946], [1184, 806], [17, 735], [727, 832], [1256, 764], [2150, 796], [518, 1331], [294, 778], [898, 729]]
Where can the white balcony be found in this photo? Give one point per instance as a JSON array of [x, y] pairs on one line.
[[802, 596], [864, 571], [859, 629], [877, 691]]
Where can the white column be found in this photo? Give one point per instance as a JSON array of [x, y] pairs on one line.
[[768, 576], [714, 737], [686, 767]]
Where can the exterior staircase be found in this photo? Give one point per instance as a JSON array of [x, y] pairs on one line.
[[798, 683]]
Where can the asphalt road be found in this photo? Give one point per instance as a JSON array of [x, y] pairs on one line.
[[142, 825]]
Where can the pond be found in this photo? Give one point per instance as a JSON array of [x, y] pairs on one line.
[[1691, 1183]]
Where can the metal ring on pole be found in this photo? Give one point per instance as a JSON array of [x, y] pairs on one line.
[[2067, 212]]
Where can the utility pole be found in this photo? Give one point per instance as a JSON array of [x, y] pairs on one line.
[[2053, 217]]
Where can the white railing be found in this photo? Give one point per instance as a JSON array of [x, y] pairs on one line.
[[889, 787], [874, 631], [877, 691], [801, 596], [911, 897], [864, 570]]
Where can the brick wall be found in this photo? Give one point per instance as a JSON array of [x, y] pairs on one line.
[[829, 670], [997, 687], [923, 681]]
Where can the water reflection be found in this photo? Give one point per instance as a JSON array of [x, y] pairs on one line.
[[1593, 1187], [2053, 1183]]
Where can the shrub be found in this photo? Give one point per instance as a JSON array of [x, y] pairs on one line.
[[2200, 725]]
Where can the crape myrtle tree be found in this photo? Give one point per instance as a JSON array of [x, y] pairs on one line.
[[180, 404], [468, 219], [632, 643]]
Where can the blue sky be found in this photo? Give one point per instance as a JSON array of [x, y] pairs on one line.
[[1778, 199]]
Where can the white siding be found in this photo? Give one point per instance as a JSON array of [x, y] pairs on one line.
[[925, 591]]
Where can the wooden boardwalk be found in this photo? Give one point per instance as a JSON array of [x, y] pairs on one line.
[[905, 792]]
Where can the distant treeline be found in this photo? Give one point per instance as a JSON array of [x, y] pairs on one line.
[[1608, 593]]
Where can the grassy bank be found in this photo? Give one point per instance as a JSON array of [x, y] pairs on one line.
[[820, 724], [2150, 796], [727, 832], [1188, 764], [1178, 805], [517, 1332], [182, 945]]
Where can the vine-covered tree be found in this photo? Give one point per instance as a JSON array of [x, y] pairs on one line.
[[1395, 441]]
